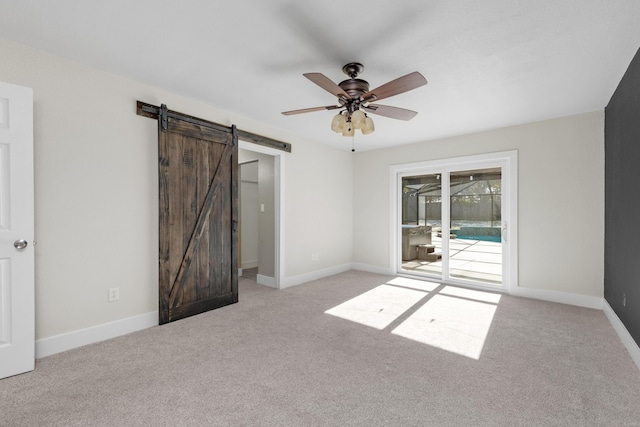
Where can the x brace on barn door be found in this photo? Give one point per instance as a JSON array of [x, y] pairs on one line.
[[179, 282]]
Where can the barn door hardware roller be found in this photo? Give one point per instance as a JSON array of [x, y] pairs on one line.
[[163, 117]]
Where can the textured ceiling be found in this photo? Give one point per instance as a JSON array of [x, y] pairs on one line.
[[489, 64]]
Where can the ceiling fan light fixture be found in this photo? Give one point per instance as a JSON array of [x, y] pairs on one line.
[[368, 126], [358, 119], [338, 122], [348, 129]]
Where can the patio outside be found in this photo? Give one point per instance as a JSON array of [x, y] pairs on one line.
[[468, 259]]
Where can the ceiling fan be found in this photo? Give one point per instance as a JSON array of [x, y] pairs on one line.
[[354, 96]]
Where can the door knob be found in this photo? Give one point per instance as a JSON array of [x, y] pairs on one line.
[[20, 244]]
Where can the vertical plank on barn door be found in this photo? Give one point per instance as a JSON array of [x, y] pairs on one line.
[[198, 218]]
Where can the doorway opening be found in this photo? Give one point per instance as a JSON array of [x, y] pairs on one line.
[[249, 230], [259, 205]]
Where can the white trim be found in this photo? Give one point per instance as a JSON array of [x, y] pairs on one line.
[[623, 333], [63, 342], [373, 268], [249, 264], [559, 297], [540, 294], [314, 275], [266, 280], [279, 211], [279, 195]]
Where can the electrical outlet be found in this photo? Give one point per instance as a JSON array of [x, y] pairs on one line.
[[624, 299], [114, 294], [314, 257]]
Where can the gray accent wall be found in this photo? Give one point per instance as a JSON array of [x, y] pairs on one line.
[[622, 200]]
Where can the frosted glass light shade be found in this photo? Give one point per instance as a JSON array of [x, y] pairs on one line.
[[337, 124], [358, 119], [348, 129], [368, 126]]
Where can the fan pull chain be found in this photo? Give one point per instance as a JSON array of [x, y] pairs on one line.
[[353, 143]]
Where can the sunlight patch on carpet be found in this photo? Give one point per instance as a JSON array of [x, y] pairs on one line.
[[378, 307], [451, 319], [450, 323]]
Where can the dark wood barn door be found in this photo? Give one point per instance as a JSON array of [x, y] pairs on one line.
[[198, 218]]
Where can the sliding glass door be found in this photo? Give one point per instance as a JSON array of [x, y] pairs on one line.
[[475, 225], [422, 223], [452, 221]]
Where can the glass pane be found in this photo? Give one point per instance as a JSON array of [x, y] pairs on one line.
[[475, 247], [422, 224]]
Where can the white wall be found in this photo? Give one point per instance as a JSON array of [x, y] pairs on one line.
[[96, 191], [561, 198], [320, 210]]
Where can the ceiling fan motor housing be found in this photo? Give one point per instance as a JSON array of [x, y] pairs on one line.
[[355, 87]]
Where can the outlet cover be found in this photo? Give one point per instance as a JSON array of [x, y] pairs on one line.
[[114, 294]]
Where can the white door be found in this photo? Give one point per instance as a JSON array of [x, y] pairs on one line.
[[17, 352]]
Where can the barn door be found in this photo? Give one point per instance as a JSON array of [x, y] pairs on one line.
[[198, 218]]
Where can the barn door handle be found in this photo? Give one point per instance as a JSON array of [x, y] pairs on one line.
[[20, 244]]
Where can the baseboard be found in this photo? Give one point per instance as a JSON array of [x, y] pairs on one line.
[[541, 294], [63, 342], [287, 282], [373, 268], [559, 297], [266, 280], [70, 340], [249, 264], [623, 333]]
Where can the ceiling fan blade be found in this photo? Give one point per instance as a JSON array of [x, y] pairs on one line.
[[395, 87], [391, 112], [309, 110], [325, 83]]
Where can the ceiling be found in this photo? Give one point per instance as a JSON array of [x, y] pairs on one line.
[[489, 64]]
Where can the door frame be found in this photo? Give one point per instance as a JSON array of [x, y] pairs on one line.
[[508, 161], [278, 166]]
